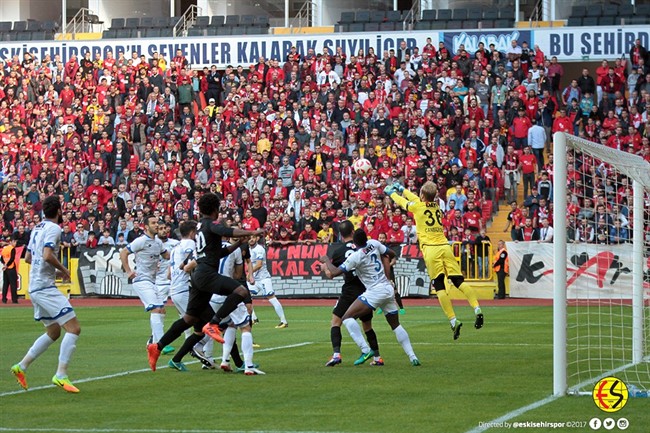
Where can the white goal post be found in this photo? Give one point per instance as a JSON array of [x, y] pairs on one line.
[[604, 336]]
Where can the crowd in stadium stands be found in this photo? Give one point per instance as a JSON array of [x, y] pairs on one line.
[[118, 138]]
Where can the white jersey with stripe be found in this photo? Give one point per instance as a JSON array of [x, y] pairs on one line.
[[163, 265], [367, 264], [42, 275], [258, 253], [183, 252], [228, 263], [147, 256]]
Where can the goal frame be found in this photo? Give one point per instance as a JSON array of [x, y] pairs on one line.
[[560, 386]]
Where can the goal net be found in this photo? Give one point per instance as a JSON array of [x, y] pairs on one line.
[[601, 215]]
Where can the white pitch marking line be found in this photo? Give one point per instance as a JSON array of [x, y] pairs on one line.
[[142, 370], [515, 413], [85, 430]]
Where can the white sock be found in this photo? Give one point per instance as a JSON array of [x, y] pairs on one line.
[[208, 348], [253, 316], [68, 346], [157, 321], [247, 347], [477, 310], [453, 322], [40, 345], [403, 339], [278, 309], [355, 332], [229, 340]]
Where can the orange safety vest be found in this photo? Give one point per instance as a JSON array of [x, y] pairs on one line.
[[6, 256], [497, 255]]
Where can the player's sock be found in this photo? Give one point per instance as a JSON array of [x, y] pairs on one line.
[[445, 304], [372, 341], [157, 321], [355, 332], [398, 299], [477, 310], [68, 346], [452, 321], [236, 357], [229, 341], [336, 337], [175, 331], [253, 316], [247, 347], [470, 294], [229, 305], [278, 309], [208, 347], [40, 345], [404, 340], [186, 347]]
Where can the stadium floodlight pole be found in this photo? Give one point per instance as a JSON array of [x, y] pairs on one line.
[[64, 16], [286, 13], [559, 265], [637, 273]]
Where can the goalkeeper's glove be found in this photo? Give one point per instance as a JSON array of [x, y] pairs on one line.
[[389, 190], [399, 188]]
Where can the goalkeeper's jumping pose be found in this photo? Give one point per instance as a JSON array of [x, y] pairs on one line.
[[438, 255]]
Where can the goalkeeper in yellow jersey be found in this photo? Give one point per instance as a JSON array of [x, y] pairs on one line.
[[436, 250]]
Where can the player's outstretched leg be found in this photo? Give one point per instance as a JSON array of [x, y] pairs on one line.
[[38, 348], [445, 304], [402, 337], [470, 294]]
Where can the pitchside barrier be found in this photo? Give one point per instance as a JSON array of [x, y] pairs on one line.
[[295, 270]]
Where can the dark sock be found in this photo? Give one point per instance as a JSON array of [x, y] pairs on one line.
[[174, 331], [336, 337], [236, 357], [228, 307], [372, 341], [398, 299], [187, 346]]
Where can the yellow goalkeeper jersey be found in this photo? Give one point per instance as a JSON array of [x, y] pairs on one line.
[[428, 218]]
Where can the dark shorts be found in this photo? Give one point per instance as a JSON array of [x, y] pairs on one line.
[[198, 305], [348, 296], [206, 283]]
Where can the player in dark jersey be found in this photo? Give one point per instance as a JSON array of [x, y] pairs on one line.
[[206, 281], [352, 289]]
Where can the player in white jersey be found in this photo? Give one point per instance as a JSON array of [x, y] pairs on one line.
[[162, 279], [148, 249], [233, 266], [259, 278], [51, 307], [370, 262], [179, 268]]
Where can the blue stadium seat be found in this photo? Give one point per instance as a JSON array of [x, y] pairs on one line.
[[607, 21], [610, 10], [239, 31], [459, 14], [590, 21], [341, 28], [625, 11], [202, 22], [470, 25], [262, 21], [444, 15], [246, 20], [195, 31], [574, 22], [232, 20], [152, 33], [387, 27], [487, 24], [6, 26], [132, 23], [117, 23], [491, 14], [224, 31], [377, 16], [423, 25], [594, 11], [475, 14], [429, 15], [218, 20], [347, 18], [146, 22], [356, 27], [371, 27], [394, 16], [502, 24], [578, 11], [362, 17], [643, 11], [454, 25], [20, 26]]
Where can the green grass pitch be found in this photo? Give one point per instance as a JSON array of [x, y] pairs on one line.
[[482, 376]]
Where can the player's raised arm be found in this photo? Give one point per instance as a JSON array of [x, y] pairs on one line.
[[329, 269], [394, 190]]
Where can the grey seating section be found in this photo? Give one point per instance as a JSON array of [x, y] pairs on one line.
[[429, 15], [347, 18], [218, 21], [202, 22], [459, 14], [393, 16]]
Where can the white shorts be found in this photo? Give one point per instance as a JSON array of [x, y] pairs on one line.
[[380, 299], [262, 288], [51, 306], [237, 318], [180, 301], [150, 295], [164, 288]]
